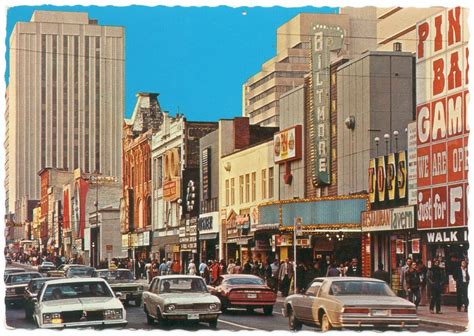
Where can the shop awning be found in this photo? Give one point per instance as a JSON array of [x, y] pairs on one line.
[[207, 236]]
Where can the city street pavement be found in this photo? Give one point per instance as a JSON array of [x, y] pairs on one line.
[[239, 319]]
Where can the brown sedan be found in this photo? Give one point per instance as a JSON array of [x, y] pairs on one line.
[[244, 291], [349, 302]]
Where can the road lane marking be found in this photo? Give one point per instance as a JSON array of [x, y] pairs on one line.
[[238, 325]]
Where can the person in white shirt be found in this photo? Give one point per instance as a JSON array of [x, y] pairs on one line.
[[191, 268]]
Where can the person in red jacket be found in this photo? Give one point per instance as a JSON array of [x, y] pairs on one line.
[[215, 271]]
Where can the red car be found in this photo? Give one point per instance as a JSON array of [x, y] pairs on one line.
[[244, 291]]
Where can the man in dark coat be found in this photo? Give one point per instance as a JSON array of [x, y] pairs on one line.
[[381, 274], [436, 281], [354, 269], [461, 275]]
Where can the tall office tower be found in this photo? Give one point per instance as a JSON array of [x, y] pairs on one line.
[[286, 70], [65, 100]]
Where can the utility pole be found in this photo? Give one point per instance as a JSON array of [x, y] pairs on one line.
[[297, 230]]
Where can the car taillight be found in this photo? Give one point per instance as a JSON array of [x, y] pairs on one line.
[[403, 311], [355, 311]]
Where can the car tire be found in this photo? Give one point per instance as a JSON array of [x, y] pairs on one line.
[[293, 323], [325, 323], [213, 324], [223, 309], [268, 310], [138, 302], [149, 319]]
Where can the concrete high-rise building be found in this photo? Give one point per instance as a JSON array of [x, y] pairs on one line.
[[65, 99], [285, 71]]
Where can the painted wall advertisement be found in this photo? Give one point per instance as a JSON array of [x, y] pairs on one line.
[[388, 219], [171, 175], [388, 178], [287, 144], [441, 119]]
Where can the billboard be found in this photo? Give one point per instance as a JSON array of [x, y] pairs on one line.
[[287, 144], [171, 176], [441, 119], [388, 178]]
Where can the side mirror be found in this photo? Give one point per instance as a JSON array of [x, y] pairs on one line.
[[119, 295]]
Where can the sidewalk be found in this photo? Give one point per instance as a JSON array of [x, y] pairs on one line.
[[449, 318]]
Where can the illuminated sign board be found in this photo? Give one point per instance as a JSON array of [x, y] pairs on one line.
[[287, 144]]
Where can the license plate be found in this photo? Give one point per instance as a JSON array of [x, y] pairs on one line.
[[193, 316], [252, 296], [379, 312]]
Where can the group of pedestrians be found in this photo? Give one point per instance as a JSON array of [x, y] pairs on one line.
[[415, 278]]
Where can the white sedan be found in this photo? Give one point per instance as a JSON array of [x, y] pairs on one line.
[[78, 302]]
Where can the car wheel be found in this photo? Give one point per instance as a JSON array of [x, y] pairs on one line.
[[293, 322], [268, 310], [213, 324], [325, 323], [149, 319], [224, 309], [138, 302]]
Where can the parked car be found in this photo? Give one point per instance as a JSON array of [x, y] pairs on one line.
[[349, 302], [180, 297], [31, 292], [122, 280], [15, 284], [244, 291], [61, 270], [80, 272], [46, 266], [78, 302]]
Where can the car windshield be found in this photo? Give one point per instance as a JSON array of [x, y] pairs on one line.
[[22, 278], [76, 290], [116, 275], [80, 272], [13, 270], [182, 285], [370, 288], [245, 281]]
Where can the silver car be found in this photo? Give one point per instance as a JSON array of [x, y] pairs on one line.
[[78, 302], [349, 302], [121, 280], [180, 297]]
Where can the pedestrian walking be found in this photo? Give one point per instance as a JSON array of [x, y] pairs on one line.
[[461, 275], [333, 270], [354, 269], [422, 272], [413, 285], [381, 274], [403, 270], [238, 267], [275, 266], [176, 267], [191, 267], [436, 279], [231, 267], [169, 265], [267, 273], [285, 274], [300, 271], [247, 269], [215, 272], [163, 269]]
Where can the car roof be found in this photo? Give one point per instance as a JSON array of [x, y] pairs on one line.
[[15, 269], [23, 273], [230, 276], [333, 279], [177, 276], [75, 280]]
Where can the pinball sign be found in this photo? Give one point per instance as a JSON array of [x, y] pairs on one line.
[[441, 119]]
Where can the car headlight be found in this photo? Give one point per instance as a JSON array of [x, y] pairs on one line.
[[113, 314], [213, 306], [50, 318], [170, 307]]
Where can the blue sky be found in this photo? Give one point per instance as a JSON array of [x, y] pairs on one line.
[[201, 66]]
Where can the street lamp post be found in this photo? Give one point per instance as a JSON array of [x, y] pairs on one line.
[[377, 140], [386, 136], [395, 135]]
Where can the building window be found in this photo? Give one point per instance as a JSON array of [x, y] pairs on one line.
[[241, 189], [226, 192], [247, 188], [264, 183], [270, 182], [232, 191], [159, 173], [254, 186]]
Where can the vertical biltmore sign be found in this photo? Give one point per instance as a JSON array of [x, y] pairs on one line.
[[441, 119], [327, 40]]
